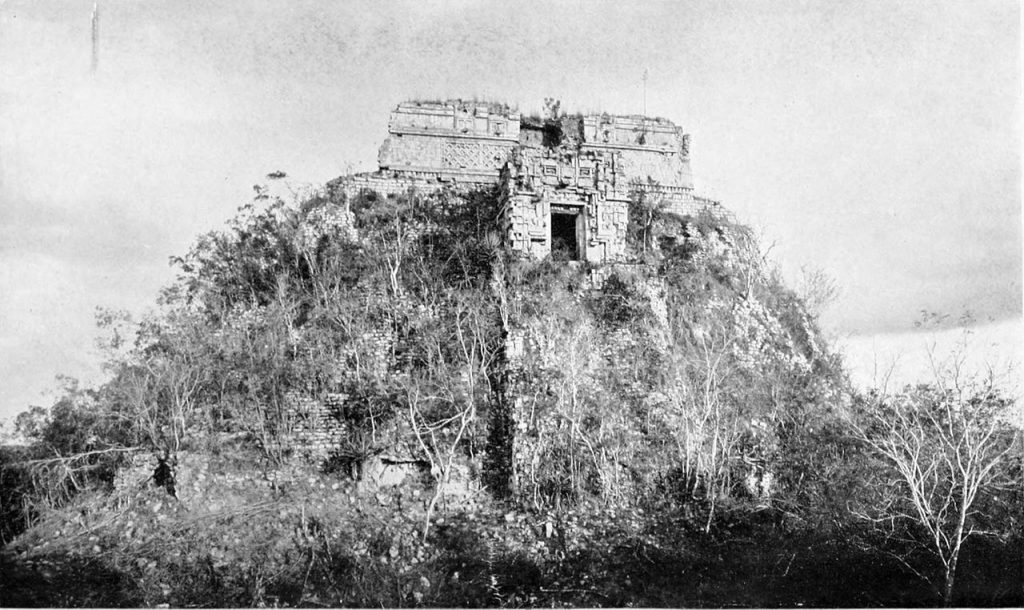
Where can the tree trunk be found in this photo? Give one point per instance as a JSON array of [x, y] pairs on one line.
[[440, 484], [950, 576], [947, 590]]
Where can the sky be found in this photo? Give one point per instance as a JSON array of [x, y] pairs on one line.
[[876, 141]]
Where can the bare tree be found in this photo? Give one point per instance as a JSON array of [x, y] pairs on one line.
[[439, 437], [163, 378], [702, 426], [941, 447], [443, 398], [817, 289]]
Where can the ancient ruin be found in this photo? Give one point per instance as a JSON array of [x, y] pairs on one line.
[[565, 185], [565, 181]]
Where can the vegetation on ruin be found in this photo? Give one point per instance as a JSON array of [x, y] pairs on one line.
[[674, 430]]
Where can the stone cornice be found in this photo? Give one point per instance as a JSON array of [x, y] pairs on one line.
[[445, 133]]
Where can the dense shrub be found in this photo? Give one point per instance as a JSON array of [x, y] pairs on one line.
[[677, 414]]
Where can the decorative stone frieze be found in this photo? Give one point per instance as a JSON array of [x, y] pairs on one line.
[[454, 140]]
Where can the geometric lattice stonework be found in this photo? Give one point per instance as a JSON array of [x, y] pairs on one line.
[[473, 155]]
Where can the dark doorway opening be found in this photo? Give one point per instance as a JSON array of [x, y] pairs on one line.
[[564, 245]]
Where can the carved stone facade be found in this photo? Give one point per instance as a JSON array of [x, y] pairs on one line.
[[571, 181], [573, 198], [456, 141], [565, 183]]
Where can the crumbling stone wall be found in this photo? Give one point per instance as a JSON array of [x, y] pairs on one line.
[[316, 427], [209, 482], [385, 184], [682, 201], [649, 166], [647, 149]]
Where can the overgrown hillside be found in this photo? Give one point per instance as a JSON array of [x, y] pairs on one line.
[[673, 430]]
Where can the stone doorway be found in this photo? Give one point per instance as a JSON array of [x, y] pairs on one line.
[[565, 238]]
